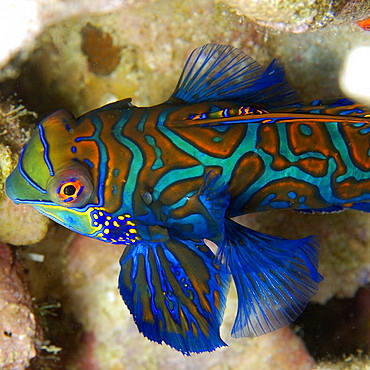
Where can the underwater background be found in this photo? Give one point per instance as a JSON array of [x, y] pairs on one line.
[[59, 303]]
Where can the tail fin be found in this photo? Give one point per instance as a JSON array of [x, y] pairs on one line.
[[275, 278]]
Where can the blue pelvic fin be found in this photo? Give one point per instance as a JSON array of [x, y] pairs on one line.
[[175, 292], [274, 277], [214, 197], [220, 72]]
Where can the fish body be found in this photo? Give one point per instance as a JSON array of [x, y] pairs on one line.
[[232, 139]]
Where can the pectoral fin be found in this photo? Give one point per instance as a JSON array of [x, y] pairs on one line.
[[175, 292], [275, 278]]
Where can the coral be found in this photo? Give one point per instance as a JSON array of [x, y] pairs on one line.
[[19, 336], [14, 133], [23, 20], [103, 57], [299, 16]]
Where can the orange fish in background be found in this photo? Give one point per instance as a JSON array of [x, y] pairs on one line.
[[365, 24]]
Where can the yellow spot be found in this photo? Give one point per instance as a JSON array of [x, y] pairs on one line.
[[127, 215], [130, 223], [95, 216], [100, 235], [101, 213], [106, 223], [95, 223], [106, 231], [121, 218], [133, 231], [115, 223], [109, 217]]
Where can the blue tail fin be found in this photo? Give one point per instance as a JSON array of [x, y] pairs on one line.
[[274, 277], [175, 292]]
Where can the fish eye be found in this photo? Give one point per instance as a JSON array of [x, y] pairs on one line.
[[69, 189], [71, 186]]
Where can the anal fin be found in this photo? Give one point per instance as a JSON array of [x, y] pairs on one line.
[[275, 278]]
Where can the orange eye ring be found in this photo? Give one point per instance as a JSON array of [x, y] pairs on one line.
[[70, 190], [71, 186]]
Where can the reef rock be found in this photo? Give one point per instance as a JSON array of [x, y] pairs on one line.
[[19, 336]]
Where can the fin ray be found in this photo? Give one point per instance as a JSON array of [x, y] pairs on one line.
[[175, 292], [220, 72], [274, 277]]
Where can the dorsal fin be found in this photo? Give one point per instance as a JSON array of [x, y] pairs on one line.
[[119, 104], [220, 72]]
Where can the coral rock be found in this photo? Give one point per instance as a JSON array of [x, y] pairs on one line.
[[19, 334]]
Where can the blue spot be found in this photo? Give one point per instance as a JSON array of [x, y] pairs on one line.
[[114, 189], [221, 128], [365, 131], [301, 199], [225, 113], [268, 199], [89, 163], [292, 195], [279, 205], [350, 111], [358, 124], [73, 149], [305, 129], [217, 139], [115, 172]]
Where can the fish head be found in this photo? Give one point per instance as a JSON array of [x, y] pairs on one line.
[[59, 173]]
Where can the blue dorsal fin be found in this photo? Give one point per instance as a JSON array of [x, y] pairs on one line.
[[220, 72]]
